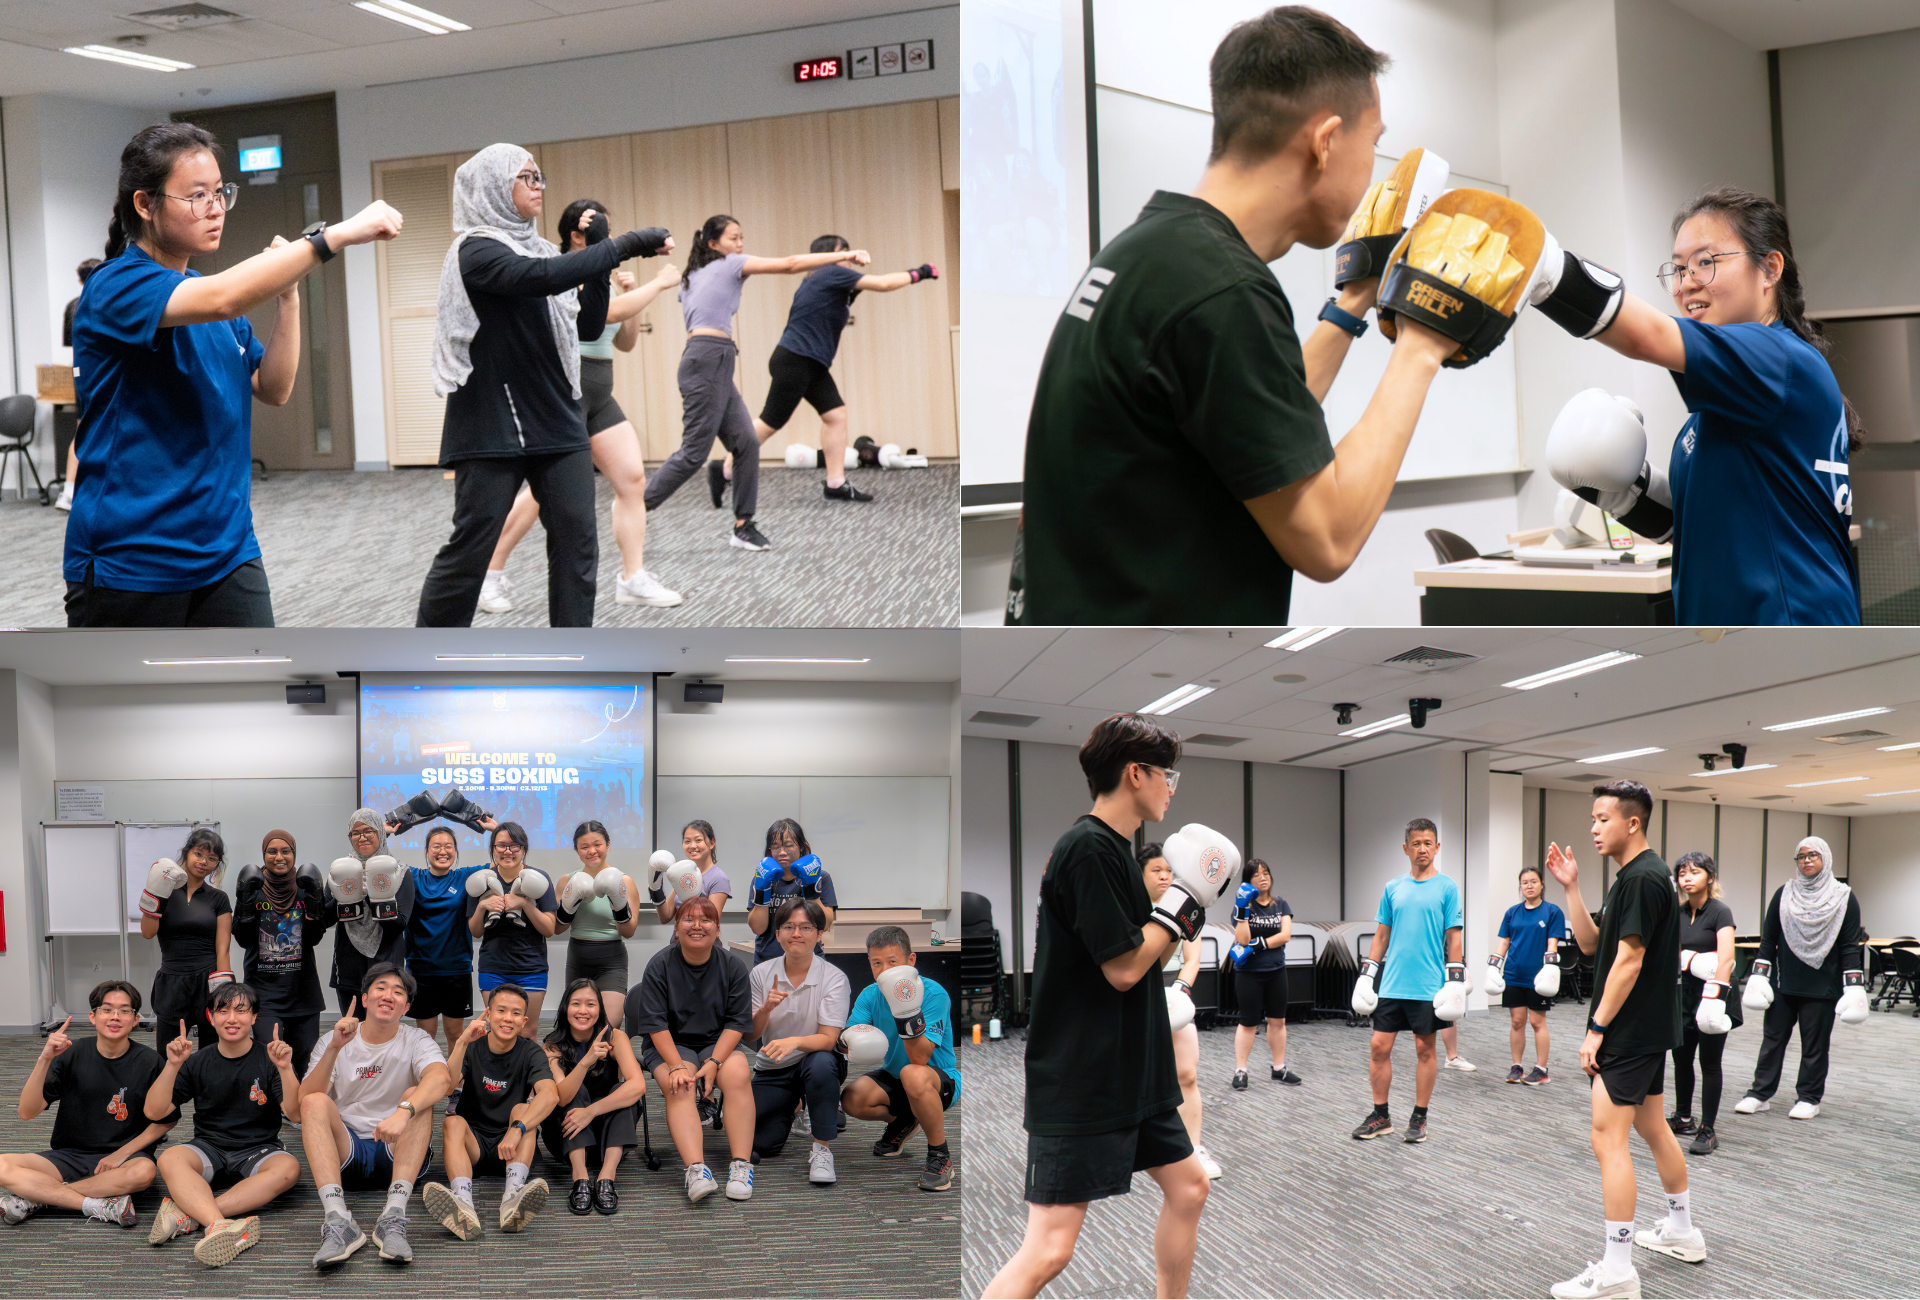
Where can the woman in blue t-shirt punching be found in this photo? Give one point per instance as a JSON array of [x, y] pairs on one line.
[[166, 370], [1524, 973], [1755, 494]]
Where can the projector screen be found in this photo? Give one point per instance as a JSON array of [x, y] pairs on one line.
[[548, 755]]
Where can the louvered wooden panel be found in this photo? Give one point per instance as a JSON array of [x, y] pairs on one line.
[[424, 196], [418, 411]]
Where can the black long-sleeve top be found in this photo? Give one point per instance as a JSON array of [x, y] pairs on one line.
[[1795, 977], [283, 969], [518, 400]]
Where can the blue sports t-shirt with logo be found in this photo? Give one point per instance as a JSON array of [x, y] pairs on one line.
[[1761, 495], [164, 500], [936, 1008], [1420, 912], [1527, 931], [438, 941]]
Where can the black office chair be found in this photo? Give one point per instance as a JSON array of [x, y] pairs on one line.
[[1903, 983], [16, 436], [981, 977], [1449, 547]]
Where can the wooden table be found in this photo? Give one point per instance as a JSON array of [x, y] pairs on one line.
[[1506, 593]]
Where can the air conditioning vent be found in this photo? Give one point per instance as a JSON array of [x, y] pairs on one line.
[[1851, 803], [1428, 659], [1204, 738], [186, 17], [991, 719], [1586, 776], [1769, 798], [1853, 738], [1685, 789]]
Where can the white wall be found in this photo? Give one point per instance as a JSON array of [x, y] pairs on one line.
[[645, 90], [1296, 827], [1886, 873], [1382, 797], [26, 799]]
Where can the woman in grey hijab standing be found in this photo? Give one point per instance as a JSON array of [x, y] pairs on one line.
[[506, 356], [373, 917], [1810, 946]]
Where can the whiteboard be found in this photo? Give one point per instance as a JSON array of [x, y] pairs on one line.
[[145, 844], [82, 889], [884, 839]]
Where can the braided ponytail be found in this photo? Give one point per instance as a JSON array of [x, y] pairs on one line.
[[1761, 228], [145, 164]]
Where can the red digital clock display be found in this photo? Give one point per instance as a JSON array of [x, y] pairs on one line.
[[819, 69]]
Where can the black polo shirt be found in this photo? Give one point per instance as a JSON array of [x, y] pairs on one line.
[[1172, 391]]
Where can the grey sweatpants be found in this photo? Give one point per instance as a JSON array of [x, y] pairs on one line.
[[712, 408]]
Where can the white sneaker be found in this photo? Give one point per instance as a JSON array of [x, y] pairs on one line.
[[170, 1222], [496, 593], [739, 1180], [1208, 1163], [820, 1166], [1461, 1063], [1751, 1106], [644, 589], [1803, 1110], [700, 1184], [1599, 1281], [1689, 1247], [65, 501]]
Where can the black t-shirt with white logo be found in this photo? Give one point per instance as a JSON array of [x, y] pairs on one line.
[[1173, 390], [102, 1101], [236, 1100], [493, 1083]]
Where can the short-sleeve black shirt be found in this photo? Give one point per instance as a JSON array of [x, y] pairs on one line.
[[1700, 932], [101, 1101], [1173, 390], [696, 1004], [1643, 902], [236, 1100], [1097, 1059], [189, 929], [492, 1084]]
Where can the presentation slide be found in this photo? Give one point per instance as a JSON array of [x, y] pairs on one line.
[[548, 756]]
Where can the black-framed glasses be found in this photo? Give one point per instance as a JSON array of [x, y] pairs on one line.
[[533, 180], [1702, 268], [201, 203], [1807, 857]]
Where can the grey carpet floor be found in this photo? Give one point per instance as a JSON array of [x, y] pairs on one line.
[[1504, 1197], [350, 550], [874, 1233]]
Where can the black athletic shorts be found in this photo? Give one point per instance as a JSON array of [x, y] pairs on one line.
[[898, 1104], [1262, 995], [74, 1164], [1406, 1015], [1072, 1169], [795, 377], [596, 395], [1522, 995], [1630, 1080], [489, 1161], [604, 961], [441, 995], [231, 1162]]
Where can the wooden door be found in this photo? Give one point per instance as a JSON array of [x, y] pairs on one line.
[[409, 275], [602, 169]]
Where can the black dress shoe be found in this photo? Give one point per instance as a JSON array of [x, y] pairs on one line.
[[580, 1199], [605, 1199]]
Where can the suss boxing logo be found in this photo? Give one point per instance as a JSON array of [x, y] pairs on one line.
[[1839, 490]]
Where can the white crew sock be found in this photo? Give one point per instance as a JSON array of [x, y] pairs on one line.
[[1620, 1246], [333, 1200], [516, 1177], [1677, 1212], [463, 1189], [398, 1192]]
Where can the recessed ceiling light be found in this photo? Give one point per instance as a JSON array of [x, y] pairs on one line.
[[1579, 668], [1178, 698], [508, 658], [1823, 721], [1729, 771], [1888, 749], [1838, 780], [1885, 794], [413, 16], [1373, 728], [1625, 753], [793, 659], [225, 659], [151, 62], [1300, 638]]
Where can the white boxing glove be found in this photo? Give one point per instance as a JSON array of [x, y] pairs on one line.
[[1852, 1006], [574, 890], [482, 884], [1496, 977], [383, 887], [683, 880], [657, 867], [1712, 1017], [531, 885], [163, 877], [1365, 997], [800, 456], [1704, 965], [349, 877], [1450, 1003], [866, 1048], [1547, 982], [1179, 1008], [1597, 449], [1205, 863], [610, 883], [1759, 994]]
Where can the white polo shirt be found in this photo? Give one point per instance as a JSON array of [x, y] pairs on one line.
[[822, 998]]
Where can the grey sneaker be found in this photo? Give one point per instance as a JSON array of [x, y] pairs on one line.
[[390, 1235], [1517, 1074], [938, 1175], [1535, 1077], [517, 1210], [340, 1236], [15, 1209], [820, 1166], [458, 1216]]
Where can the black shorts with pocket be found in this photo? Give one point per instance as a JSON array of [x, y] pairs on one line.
[[1406, 1015], [1630, 1080], [1071, 1169], [75, 1164], [236, 1163], [489, 1161], [899, 1105], [1522, 995], [1262, 995], [604, 961], [441, 995], [795, 377]]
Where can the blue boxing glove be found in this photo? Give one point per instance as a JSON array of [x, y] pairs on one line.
[[763, 881], [1243, 901], [808, 870], [1239, 953]]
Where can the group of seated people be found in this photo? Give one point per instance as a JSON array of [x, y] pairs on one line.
[[364, 1100]]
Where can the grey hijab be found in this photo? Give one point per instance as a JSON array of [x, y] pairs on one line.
[[483, 209], [1812, 907], [364, 933]]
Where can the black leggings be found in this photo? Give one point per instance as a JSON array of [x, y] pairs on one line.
[[1711, 1047], [483, 492]]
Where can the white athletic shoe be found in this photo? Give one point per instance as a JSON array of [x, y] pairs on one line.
[[496, 593], [700, 1184], [1803, 1110], [170, 1222], [644, 589], [517, 1210], [65, 501], [1600, 1281], [740, 1180], [1208, 1163], [1688, 1247], [1751, 1106], [1461, 1063], [820, 1166], [15, 1209]]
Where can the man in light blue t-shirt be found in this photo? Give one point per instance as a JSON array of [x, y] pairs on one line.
[[920, 1079], [1416, 950]]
